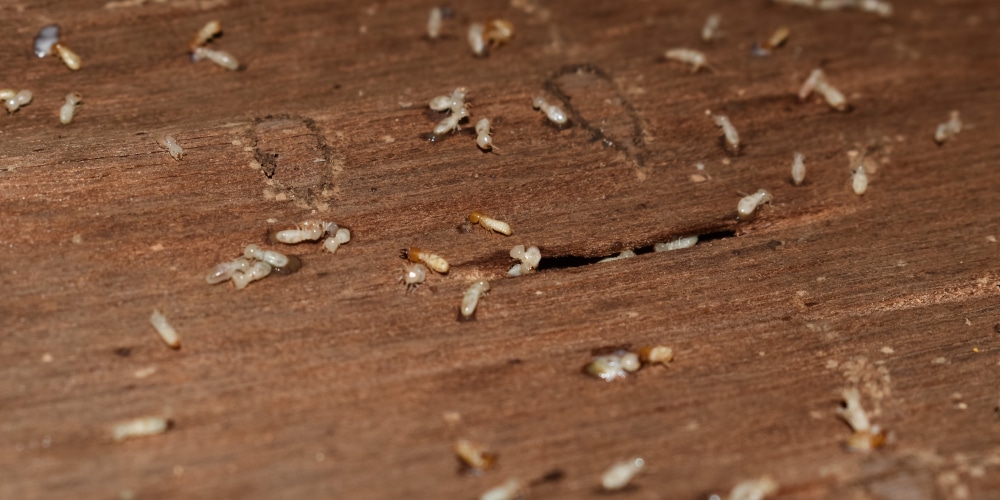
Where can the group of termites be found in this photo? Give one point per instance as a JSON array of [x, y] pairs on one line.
[[256, 263]]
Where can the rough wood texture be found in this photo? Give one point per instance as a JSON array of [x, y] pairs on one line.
[[332, 382]]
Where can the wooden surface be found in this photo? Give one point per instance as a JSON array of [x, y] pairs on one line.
[[332, 382]]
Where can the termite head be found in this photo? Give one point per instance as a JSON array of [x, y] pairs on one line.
[[412, 254], [475, 217]]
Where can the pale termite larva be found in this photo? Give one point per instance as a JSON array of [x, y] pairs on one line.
[[678, 244], [513, 489], [413, 276], [626, 254], [224, 271], [175, 150], [859, 180], [206, 33], [473, 455], [530, 258], [748, 205], [554, 113], [477, 41], [817, 81], [16, 100], [448, 124], [471, 297], [455, 103], [68, 110], [434, 23], [220, 57], [492, 225], [613, 366], [68, 57], [752, 489], [798, 169], [275, 259], [484, 141], [948, 129], [620, 474], [435, 262], [258, 271], [711, 28], [687, 56], [146, 426], [46, 38], [729, 131], [166, 332], [310, 230], [343, 235]]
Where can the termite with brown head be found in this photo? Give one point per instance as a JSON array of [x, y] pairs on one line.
[[948, 129], [175, 150], [209, 31], [695, 58], [68, 110], [413, 276], [47, 42], [14, 101], [471, 298], [554, 113], [474, 456], [729, 132], [484, 140], [747, 207], [417, 254], [343, 235], [798, 169], [491, 225], [498, 32]]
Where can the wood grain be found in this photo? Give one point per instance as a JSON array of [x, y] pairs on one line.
[[332, 382]]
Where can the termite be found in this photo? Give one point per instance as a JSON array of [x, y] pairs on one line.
[[620, 474], [729, 131], [220, 57], [68, 110], [417, 254], [163, 328], [224, 271], [275, 259], [484, 141], [613, 366], [413, 276], [512, 489], [491, 225], [343, 235], [711, 28], [859, 180], [554, 113], [206, 33], [310, 230], [748, 205], [68, 57], [434, 23], [817, 81], [473, 455], [175, 150], [471, 298], [530, 258], [258, 271], [866, 436], [948, 129], [798, 169], [688, 56], [15, 100], [46, 38], [454, 102], [499, 32], [146, 426], [678, 244], [477, 42]]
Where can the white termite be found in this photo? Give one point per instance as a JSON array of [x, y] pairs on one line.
[[454, 102], [554, 113], [621, 473], [816, 81], [711, 28], [484, 141], [627, 254], [207, 32], [224, 271], [687, 56], [220, 57], [810, 84], [798, 169], [477, 40], [678, 244], [16, 100], [752, 489], [728, 131], [413, 276], [491, 225], [258, 271], [448, 124], [434, 261], [68, 57], [530, 258], [853, 413], [276, 259], [434, 23], [471, 297], [163, 328], [748, 205], [609, 367], [175, 150], [46, 38], [859, 180], [146, 426], [948, 129], [512, 489], [343, 235], [310, 230], [68, 110]]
